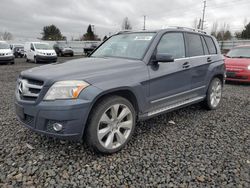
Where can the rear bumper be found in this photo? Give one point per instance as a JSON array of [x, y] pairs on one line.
[[46, 58], [67, 52], [6, 59]]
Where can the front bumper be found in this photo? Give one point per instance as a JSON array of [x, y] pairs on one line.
[[6, 59], [72, 114], [41, 58], [242, 76]]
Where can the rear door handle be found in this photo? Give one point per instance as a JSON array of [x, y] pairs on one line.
[[209, 59], [185, 65]]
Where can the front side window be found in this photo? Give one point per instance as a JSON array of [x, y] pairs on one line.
[[172, 44], [194, 45], [127, 45]]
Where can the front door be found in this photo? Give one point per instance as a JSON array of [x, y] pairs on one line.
[[170, 82]]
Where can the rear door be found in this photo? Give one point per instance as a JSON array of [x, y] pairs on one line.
[[169, 82], [199, 60]]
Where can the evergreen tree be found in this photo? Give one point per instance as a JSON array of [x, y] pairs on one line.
[[246, 32], [51, 32]]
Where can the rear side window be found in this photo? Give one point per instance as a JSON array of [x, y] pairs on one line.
[[194, 45], [210, 45], [172, 44], [204, 46]]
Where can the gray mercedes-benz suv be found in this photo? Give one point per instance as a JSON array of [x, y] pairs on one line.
[[131, 76]]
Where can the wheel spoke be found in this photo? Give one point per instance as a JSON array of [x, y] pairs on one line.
[[105, 119], [120, 137], [126, 124], [123, 114], [109, 141], [114, 111], [103, 132]]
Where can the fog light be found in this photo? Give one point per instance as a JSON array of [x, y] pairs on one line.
[[57, 127]]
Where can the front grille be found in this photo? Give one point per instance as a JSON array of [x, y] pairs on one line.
[[29, 89], [29, 120]]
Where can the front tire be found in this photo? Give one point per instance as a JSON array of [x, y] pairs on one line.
[[214, 94], [111, 125]]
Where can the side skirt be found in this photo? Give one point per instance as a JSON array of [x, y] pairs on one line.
[[172, 107]]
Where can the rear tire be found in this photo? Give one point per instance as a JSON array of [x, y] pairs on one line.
[[214, 94], [111, 125]]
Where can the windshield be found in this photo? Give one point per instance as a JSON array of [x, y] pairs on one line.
[[128, 45], [239, 53], [4, 45], [42, 46]]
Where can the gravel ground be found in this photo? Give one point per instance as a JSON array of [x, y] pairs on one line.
[[190, 147]]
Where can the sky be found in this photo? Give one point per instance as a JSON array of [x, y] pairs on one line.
[[26, 18]]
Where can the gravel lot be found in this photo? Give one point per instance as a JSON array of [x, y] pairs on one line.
[[202, 149]]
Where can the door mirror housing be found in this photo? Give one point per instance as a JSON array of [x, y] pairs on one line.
[[163, 58], [32, 48]]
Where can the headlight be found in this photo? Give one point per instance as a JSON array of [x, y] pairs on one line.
[[7, 54], [248, 67], [40, 53], [66, 90]]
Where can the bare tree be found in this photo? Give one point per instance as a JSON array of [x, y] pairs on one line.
[[195, 23], [126, 25], [6, 36], [214, 29]]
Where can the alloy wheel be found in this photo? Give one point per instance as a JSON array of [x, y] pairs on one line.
[[115, 126]]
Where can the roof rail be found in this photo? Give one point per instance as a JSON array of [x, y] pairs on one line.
[[186, 28]]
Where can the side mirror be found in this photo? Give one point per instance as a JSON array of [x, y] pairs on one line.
[[163, 58], [32, 48]]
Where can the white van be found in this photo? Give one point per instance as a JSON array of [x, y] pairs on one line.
[[6, 55], [39, 52]]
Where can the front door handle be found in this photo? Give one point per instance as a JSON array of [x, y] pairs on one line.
[[209, 59], [185, 65]]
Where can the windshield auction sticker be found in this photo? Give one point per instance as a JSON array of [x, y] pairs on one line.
[[143, 38]]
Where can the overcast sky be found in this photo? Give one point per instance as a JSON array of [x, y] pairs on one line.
[[26, 18]]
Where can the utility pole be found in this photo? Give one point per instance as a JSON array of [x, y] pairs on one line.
[[144, 23], [203, 14]]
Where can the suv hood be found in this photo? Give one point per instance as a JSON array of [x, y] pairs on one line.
[[92, 70], [5, 51], [46, 51], [237, 62]]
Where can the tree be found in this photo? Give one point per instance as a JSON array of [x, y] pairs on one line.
[[90, 35], [126, 25], [51, 32], [223, 34], [6, 36], [246, 32]]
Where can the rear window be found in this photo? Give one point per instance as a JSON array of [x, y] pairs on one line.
[[210, 45], [194, 45]]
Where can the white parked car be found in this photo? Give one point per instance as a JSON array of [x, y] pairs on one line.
[[39, 52], [6, 55]]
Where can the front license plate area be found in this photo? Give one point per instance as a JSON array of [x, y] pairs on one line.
[[231, 74], [20, 112]]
